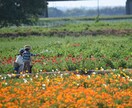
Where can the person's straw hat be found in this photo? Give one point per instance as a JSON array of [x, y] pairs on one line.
[[27, 47]]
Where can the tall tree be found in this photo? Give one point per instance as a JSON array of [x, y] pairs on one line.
[[17, 12]]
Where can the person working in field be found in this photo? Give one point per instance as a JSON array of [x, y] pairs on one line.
[[27, 59], [19, 64]]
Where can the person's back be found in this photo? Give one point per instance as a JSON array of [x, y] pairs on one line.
[[18, 64], [19, 60], [27, 59], [26, 55]]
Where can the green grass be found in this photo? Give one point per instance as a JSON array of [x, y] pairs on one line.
[[86, 18], [69, 52], [108, 52], [74, 27]]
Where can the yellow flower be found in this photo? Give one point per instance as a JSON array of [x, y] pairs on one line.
[[13, 75], [27, 75], [26, 71], [41, 78], [77, 70], [96, 69], [78, 76]]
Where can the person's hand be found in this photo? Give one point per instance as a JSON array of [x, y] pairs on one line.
[[37, 55]]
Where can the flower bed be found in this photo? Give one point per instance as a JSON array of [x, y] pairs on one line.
[[67, 90]]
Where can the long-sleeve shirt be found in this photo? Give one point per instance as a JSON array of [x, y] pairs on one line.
[[27, 56], [19, 60]]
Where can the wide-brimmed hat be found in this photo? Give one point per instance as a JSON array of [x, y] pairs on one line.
[[27, 47]]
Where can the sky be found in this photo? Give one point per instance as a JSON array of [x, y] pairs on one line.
[[87, 3]]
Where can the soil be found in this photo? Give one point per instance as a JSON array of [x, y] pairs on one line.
[[108, 32]]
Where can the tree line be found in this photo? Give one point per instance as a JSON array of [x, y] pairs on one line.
[[107, 11], [18, 12]]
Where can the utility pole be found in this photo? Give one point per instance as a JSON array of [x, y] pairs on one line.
[[129, 7], [98, 13], [98, 8], [46, 9]]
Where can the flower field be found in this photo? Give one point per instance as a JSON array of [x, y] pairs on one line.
[[66, 74], [69, 53], [67, 91]]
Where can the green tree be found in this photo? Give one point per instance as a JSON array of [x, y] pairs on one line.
[[54, 12], [17, 12]]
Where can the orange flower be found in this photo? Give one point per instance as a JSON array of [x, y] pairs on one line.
[[1, 105]]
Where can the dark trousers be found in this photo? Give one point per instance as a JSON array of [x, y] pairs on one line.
[[26, 66]]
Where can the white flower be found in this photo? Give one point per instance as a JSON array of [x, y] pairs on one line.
[[93, 73], [31, 79], [123, 69], [118, 75], [41, 70], [66, 73], [101, 69], [88, 76], [9, 75], [2, 78], [23, 75], [46, 50], [59, 83], [48, 80], [43, 85], [114, 69], [6, 83], [130, 80], [43, 88], [78, 84], [25, 81], [104, 85], [78, 76], [36, 76], [61, 75]]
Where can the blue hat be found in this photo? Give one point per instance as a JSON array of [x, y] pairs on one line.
[[21, 50]]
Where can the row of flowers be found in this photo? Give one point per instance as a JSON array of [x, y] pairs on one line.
[[67, 90], [67, 63]]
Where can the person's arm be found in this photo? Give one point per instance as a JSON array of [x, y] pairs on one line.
[[17, 59], [34, 54]]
